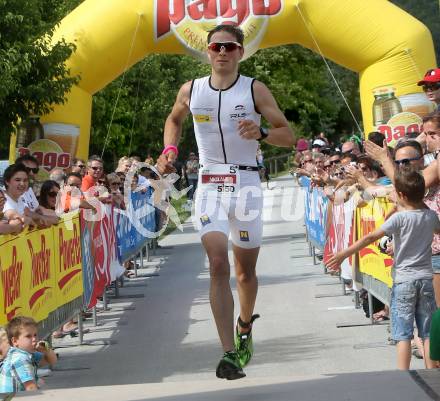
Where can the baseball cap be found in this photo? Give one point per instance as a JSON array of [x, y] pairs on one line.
[[302, 145], [430, 76], [318, 142]]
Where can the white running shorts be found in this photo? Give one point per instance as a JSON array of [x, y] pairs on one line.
[[240, 216]]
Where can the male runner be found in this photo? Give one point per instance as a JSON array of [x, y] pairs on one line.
[[226, 109]]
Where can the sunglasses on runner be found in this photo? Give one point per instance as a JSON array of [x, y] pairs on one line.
[[224, 46], [406, 161], [431, 87]]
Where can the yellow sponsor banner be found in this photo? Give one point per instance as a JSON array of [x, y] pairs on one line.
[[39, 274], [371, 260], [68, 260], [40, 270], [12, 271]]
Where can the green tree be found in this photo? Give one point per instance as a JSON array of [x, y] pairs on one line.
[[137, 104], [33, 71]]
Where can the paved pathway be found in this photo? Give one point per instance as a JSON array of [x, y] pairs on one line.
[[167, 347]]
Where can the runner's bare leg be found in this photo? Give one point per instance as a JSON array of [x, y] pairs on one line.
[[245, 261], [220, 294]]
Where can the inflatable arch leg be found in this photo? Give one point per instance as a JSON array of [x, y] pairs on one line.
[[385, 45]]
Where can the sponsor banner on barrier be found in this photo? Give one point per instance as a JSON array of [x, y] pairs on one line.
[[134, 225], [40, 280], [111, 240], [68, 259], [371, 260], [316, 204], [13, 283], [340, 235], [88, 262], [98, 262], [33, 264]]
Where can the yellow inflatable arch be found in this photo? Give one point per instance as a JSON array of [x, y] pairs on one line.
[[390, 49]]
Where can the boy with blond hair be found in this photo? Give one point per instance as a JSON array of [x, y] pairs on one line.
[[412, 295], [19, 369]]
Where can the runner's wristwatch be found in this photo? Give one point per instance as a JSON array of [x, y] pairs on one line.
[[264, 134]]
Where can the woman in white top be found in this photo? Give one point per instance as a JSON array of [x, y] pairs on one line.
[[5, 227], [16, 183]]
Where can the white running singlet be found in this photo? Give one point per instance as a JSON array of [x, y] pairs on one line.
[[216, 114]]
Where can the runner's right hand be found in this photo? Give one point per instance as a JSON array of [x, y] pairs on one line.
[[165, 163]]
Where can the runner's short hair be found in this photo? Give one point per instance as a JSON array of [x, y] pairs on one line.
[[232, 29], [410, 183]]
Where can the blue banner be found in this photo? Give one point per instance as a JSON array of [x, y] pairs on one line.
[[315, 206], [135, 224]]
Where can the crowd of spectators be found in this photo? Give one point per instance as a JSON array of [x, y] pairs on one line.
[[373, 169]]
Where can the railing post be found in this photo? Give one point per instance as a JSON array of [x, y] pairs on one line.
[[135, 267], [95, 316], [370, 306], [147, 251], [80, 329], [104, 299]]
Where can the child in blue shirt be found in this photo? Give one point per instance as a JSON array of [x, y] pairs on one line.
[[19, 369], [412, 295]]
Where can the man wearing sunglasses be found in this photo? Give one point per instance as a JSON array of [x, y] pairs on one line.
[[79, 166], [431, 85], [227, 108], [95, 171]]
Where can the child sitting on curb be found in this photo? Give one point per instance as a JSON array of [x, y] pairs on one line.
[[412, 296], [19, 369]]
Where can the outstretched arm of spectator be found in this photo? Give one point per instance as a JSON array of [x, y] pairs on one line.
[[336, 260], [430, 174], [357, 175], [13, 227], [41, 220], [381, 155]]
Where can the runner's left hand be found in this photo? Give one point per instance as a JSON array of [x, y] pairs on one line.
[[248, 129]]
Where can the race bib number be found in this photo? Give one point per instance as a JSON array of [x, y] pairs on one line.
[[220, 178]]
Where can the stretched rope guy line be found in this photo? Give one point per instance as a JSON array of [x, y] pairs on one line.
[[329, 69], [120, 86]]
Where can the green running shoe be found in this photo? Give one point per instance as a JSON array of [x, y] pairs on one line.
[[229, 367], [243, 341]]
